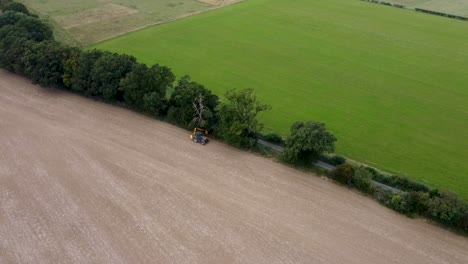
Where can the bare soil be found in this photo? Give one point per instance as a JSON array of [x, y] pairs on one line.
[[86, 182]]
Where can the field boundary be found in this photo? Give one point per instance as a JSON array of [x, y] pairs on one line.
[[422, 10], [330, 168], [168, 21]]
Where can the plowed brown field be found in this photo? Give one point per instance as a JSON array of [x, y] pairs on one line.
[[86, 182]]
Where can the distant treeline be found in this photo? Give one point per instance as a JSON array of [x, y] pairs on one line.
[[418, 9], [413, 199], [384, 3], [440, 14]]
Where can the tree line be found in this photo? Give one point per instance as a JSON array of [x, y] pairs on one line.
[[28, 48]]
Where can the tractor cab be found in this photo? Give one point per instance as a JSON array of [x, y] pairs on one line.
[[199, 136]]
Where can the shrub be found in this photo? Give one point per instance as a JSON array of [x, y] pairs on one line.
[[417, 202], [307, 141], [238, 117], [448, 209], [16, 7], [343, 173], [399, 202], [361, 180], [382, 195], [4, 3], [398, 182]]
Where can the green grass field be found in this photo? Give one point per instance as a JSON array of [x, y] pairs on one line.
[[392, 84], [88, 21]]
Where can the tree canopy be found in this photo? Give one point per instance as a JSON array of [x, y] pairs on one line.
[[43, 63], [181, 104], [109, 69], [238, 117], [307, 141], [146, 87], [16, 7]]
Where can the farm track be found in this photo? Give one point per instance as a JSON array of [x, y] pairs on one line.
[[86, 182]]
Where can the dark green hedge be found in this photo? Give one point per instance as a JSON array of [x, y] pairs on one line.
[[415, 199]]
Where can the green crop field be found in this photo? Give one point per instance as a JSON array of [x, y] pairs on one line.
[[392, 84], [89, 21]]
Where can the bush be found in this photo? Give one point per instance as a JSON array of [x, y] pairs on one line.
[[4, 3], [398, 182], [273, 138], [16, 7], [399, 202], [382, 195], [361, 180], [417, 202], [343, 173], [448, 209], [238, 118], [306, 142]]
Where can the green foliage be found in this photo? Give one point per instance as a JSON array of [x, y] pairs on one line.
[[306, 142], [81, 76], [13, 48], [16, 7], [44, 63], [4, 3], [181, 103], [26, 26], [10, 18], [396, 181], [417, 202], [145, 88], [16, 33], [344, 173], [108, 70], [238, 117], [399, 202], [71, 60], [361, 180], [37, 30], [449, 209]]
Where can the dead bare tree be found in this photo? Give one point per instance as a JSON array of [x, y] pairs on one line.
[[199, 108]]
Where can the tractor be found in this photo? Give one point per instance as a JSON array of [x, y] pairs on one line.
[[199, 136]]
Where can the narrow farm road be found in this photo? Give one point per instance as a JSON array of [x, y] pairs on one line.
[[86, 182]]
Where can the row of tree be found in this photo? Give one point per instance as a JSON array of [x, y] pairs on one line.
[[27, 47], [410, 198]]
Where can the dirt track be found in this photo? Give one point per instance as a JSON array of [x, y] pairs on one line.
[[85, 182]]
